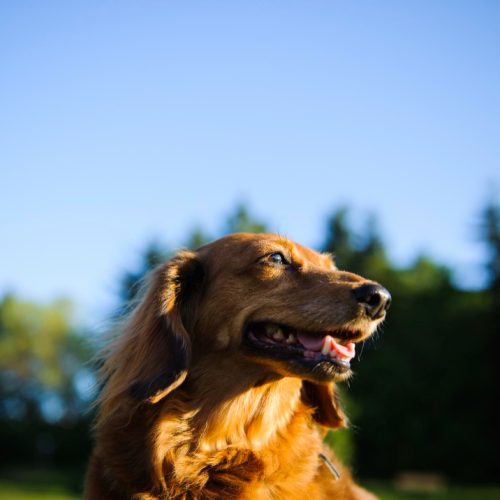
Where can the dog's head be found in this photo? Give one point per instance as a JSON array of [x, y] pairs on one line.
[[270, 302]]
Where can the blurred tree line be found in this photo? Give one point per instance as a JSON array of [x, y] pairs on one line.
[[427, 399], [44, 380]]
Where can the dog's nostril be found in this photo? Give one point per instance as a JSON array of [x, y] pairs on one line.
[[375, 299]]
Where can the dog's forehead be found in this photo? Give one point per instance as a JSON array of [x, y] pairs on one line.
[[250, 246], [239, 245]]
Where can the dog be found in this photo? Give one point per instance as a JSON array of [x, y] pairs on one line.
[[220, 384]]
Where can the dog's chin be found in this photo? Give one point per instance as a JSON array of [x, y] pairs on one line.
[[315, 356], [319, 372]]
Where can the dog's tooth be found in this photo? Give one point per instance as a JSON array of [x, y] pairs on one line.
[[278, 334], [326, 347], [291, 339]]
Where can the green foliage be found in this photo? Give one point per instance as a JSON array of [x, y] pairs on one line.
[[490, 235], [40, 483], [197, 238], [359, 253], [241, 221], [42, 362], [342, 444], [40, 356]]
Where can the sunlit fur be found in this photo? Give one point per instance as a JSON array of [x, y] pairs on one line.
[[185, 412]]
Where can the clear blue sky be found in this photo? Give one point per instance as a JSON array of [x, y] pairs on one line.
[[122, 121]]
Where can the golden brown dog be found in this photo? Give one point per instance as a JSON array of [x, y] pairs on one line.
[[221, 383]]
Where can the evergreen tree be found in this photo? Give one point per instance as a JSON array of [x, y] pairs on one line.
[[490, 234]]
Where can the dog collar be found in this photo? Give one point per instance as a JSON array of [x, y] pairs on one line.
[[335, 473]]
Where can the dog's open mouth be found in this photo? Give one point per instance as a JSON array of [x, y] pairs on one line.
[[281, 341]]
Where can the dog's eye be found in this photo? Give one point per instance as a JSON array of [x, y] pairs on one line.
[[278, 258]]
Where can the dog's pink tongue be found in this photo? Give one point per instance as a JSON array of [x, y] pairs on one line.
[[310, 342], [344, 351], [316, 343]]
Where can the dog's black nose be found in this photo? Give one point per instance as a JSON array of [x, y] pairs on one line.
[[374, 298]]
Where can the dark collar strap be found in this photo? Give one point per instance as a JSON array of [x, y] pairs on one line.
[[330, 466]]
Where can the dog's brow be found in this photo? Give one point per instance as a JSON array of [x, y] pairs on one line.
[[278, 245], [286, 243], [305, 254]]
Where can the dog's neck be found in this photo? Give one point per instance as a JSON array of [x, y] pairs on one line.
[[245, 411], [252, 419]]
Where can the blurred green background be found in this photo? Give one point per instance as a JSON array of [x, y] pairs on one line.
[[424, 401]]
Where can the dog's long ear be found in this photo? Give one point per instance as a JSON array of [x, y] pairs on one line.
[[156, 346], [325, 401]]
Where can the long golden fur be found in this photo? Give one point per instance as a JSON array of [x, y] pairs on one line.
[[195, 404]]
